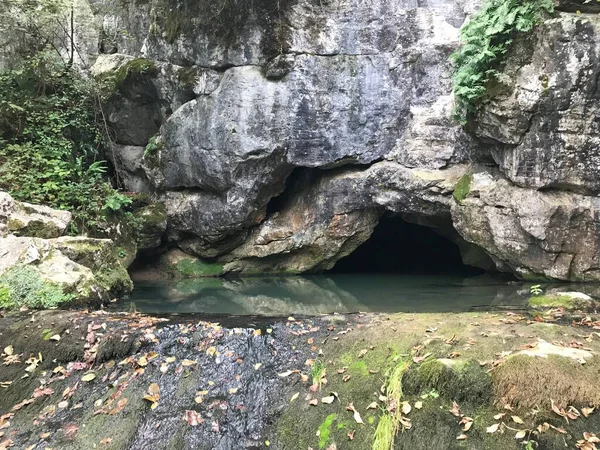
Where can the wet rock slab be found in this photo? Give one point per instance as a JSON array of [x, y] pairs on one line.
[[76, 380]]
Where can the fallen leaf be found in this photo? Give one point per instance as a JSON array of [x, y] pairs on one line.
[[419, 404], [461, 437], [88, 377], [356, 414], [257, 366], [192, 418], [406, 408], [517, 419], [455, 409], [492, 428], [520, 434], [373, 405], [55, 337], [328, 400], [188, 362], [420, 359], [9, 351], [351, 434], [499, 416], [313, 402], [587, 411], [294, 397]]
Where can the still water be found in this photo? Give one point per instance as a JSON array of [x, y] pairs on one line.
[[323, 294]]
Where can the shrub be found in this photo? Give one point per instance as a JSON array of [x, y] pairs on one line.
[[23, 286], [485, 40], [51, 137]]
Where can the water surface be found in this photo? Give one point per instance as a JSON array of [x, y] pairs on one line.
[[323, 294]]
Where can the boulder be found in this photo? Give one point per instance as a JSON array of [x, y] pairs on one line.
[[85, 269], [25, 219]]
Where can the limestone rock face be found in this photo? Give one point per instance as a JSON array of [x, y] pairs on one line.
[[25, 219], [532, 233], [543, 128], [278, 134]]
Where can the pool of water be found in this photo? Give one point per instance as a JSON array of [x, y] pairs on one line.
[[324, 294]]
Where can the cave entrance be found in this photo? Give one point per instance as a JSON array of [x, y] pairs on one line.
[[400, 247]]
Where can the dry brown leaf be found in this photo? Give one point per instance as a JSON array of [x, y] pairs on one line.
[[372, 405], [455, 409], [587, 411], [192, 418]]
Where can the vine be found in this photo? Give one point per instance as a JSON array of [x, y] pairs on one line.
[[486, 38]]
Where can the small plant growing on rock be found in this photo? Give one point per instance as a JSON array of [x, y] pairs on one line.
[[536, 290]]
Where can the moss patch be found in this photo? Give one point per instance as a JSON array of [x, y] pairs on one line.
[[553, 301], [197, 268], [526, 381], [325, 430], [462, 188]]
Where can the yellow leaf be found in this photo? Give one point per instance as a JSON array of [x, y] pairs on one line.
[[419, 404], [9, 351], [88, 377], [517, 419], [257, 366], [294, 397], [153, 388], [188, 362], [520, 434], [142, 361]]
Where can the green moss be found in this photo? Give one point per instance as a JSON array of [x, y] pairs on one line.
[[552, 301], [467, 383], [196, 268], [187, 76], [325, 430], [14, 224], [462, 188], [133, 70]]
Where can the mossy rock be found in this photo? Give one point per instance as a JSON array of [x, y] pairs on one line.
[[462, 188], [181, 265], [527, 381], [572, 301], [463, 381]]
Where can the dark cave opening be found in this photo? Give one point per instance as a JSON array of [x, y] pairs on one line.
[[400, 247]]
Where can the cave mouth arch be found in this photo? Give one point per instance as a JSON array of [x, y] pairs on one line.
[[401, 247]]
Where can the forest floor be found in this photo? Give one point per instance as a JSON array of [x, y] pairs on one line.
[[501, 380]]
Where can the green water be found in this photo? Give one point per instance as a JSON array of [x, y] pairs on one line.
[[323, 294]]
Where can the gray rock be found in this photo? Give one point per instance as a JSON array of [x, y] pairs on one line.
[[534, 234], [84, 267], [25, 219], [542, 127]]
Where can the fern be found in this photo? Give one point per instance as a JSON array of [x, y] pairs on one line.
[[485, 40]]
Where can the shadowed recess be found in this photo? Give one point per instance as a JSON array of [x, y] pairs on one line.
[[397, 246]]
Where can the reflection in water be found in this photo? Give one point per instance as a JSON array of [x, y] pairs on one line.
[[323, 294]]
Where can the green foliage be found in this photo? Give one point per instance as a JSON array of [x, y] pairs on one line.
[[23, 286], [153, 147], [536, 289], [5, 301], [462, 188], [485, 40], [133, 70], [51, 135]]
